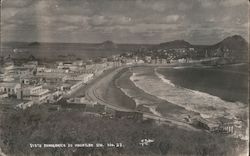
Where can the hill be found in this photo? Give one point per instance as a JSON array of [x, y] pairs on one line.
[[175, 44], [41, 125], [108, 45], [34, 44], [235, 42], [234, 47]]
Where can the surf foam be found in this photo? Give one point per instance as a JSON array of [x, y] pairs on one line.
[[207, 105]]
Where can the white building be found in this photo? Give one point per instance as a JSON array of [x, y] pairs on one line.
[[83, 77], [86, 77], [10, 88], [78, 63], [140, 62], [34, 93], [148, 59], [31, 90], [31, 64]]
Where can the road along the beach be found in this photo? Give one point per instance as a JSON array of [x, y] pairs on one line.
[[95, 93]]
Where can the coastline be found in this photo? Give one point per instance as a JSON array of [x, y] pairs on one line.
[[196, 104], [106, 90], [119, 90], [123, 89], [107, 93], [152, 103], [229, 83]]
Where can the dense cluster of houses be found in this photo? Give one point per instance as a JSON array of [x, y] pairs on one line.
[[46, 83]]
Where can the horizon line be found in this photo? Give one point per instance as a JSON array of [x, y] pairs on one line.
[[55, 42]]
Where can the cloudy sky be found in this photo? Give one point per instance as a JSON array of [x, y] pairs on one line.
[[123, 21]]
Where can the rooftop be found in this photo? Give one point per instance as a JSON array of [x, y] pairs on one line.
[[42, 92], [9, 84], [51, 75]]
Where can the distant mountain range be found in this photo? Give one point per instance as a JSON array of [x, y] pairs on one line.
[[235, 42], [106, 44], [235, 45]]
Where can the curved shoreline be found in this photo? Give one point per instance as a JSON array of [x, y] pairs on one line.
[[141, 104], [208, 106], [154, 104], [107, 91], [228, 85], [95, 91]]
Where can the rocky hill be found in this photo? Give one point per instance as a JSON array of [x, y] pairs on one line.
[[175, 44], [108, 45], [235, 47]]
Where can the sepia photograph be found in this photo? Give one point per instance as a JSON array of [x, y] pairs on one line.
[[124, 77]]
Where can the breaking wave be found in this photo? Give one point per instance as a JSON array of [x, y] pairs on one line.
[[139, 101], [198, 93], [163, 78], [209, 106]]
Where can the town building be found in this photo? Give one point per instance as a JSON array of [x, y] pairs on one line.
[[33, 93], [163, 61], [83, 77], [18, 71], [51, 77], [136, 116], [148, 59], [10, 88], [225, 128], [205, 124], [31, 64]]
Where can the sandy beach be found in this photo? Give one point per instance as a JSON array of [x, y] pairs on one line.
[[105, 88], [188, 102], [144, 89], [117, 89]]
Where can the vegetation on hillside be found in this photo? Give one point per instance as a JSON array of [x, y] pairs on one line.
[[39, 125]]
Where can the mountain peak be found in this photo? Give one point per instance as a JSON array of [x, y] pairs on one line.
[[176, 44], [108, 44], [176, 41], [34, 44], [238, 37], [234, 38], [233, 42], [236, 45]]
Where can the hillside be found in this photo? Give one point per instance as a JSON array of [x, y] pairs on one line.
[[39, 124], [107, 45], [175, 44], [234, 47], [235, 42]]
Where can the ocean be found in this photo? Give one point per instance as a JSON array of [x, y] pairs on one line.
[[180, 92], [229, 83], [64, 51]]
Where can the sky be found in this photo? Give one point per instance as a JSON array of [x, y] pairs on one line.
[[123, 21]]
